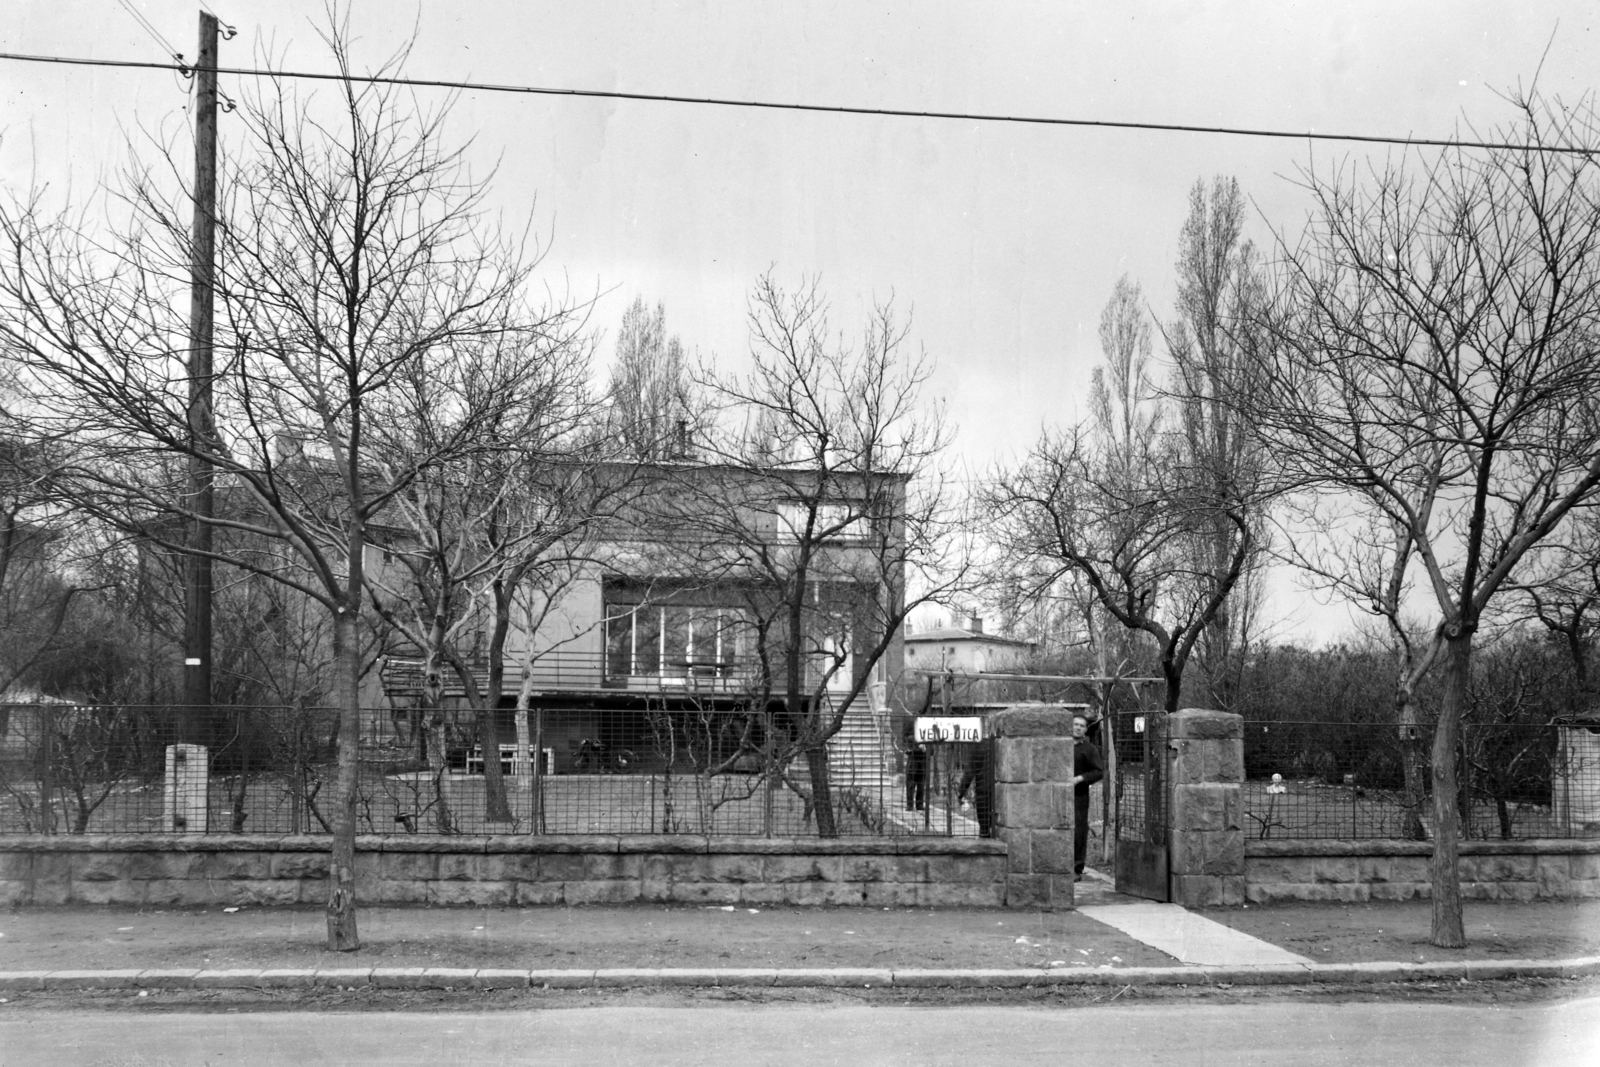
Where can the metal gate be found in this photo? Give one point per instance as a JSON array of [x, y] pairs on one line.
[[1143, 799]]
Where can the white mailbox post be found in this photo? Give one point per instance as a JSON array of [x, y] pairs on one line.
[[188, 778]]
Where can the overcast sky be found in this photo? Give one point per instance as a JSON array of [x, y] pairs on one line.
[[1003, 241]]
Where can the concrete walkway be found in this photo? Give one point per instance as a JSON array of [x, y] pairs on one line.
[[1188, 937]]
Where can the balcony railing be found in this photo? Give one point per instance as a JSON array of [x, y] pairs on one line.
[[579, 672]]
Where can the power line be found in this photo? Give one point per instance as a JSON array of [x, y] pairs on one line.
[[155, 34], [832, 109]]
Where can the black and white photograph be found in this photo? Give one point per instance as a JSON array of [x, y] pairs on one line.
[[799, 532]]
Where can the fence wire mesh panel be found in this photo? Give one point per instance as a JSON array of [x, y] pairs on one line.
[[1363, 780], [564, 770]]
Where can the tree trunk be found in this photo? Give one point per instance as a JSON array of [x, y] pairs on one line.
[[821, 795], [342, 935], [439, 770], [1413, 763], [495, 806], [1448, 930]]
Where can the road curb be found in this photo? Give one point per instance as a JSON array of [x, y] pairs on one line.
[[464, 978]]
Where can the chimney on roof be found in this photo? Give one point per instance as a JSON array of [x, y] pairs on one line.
[[974, 624]]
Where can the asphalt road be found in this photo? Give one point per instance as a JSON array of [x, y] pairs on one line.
[[1280, 1034]]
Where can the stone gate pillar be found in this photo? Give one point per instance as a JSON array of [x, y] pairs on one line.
[[1207, 833], [1033, 802]]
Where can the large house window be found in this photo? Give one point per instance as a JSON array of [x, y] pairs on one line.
[[675, 640], [832, 522]]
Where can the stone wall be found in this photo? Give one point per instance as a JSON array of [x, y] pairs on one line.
[[1398, 870], [1033, 802], [179, 869], [1206, 837]]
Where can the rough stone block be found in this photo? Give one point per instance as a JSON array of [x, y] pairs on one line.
[[120, 892], [1200, 724], [1519, 891], [14, 892], [1506, 868], [90, 867], [218, 866], [812, 894], [177, 891], [1584, 866], [539, 894], [1207, 807], [599, 866], [15, 866], [618, 892], [1553, 876], [1019, 851], [968, 895], [1027, 890], [1052, 852], [51, 868], [736, 868], [1013, 760], [494, 894], [518, 866], [802, 869], [706, 892], [267, 891], [464, 868], [299, 865], [1396, 891], [963, 868], [1035, 721], [1334, 869], [1051, 759], [1034, 806], [403, 866], [1196, 890], [1225, 761], [378, 891], [869, 869], [762, 893], [561, 867], [899, 894]]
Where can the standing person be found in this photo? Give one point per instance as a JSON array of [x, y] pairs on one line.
[[916, 770], [1088, 767]]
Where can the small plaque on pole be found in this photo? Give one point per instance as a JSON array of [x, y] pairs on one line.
[[944, 729]]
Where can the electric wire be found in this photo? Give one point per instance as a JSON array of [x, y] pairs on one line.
[[835, 109]]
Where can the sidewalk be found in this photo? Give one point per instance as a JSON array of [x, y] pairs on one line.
[[1111, 940]]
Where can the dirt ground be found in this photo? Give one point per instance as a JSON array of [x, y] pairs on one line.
[[40, 938], [1352, 933]]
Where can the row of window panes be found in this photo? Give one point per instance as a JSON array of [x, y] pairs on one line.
[[650, 639]]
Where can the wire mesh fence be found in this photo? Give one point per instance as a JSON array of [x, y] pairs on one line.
[[1355, 780], [653, 769]]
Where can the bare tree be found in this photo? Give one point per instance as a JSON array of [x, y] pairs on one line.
[[822, 498], [468, 529], [1432, 361], [1158, 522], [1561, 591], [656, 409], [1219, 286], [354, 261]]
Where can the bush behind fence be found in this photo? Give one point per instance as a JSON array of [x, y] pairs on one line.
[[1348, 780]]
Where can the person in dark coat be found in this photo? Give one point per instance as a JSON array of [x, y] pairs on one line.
[[1088, 767], [916, 770]]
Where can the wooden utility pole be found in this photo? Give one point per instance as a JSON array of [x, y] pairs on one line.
[[202, 251]]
